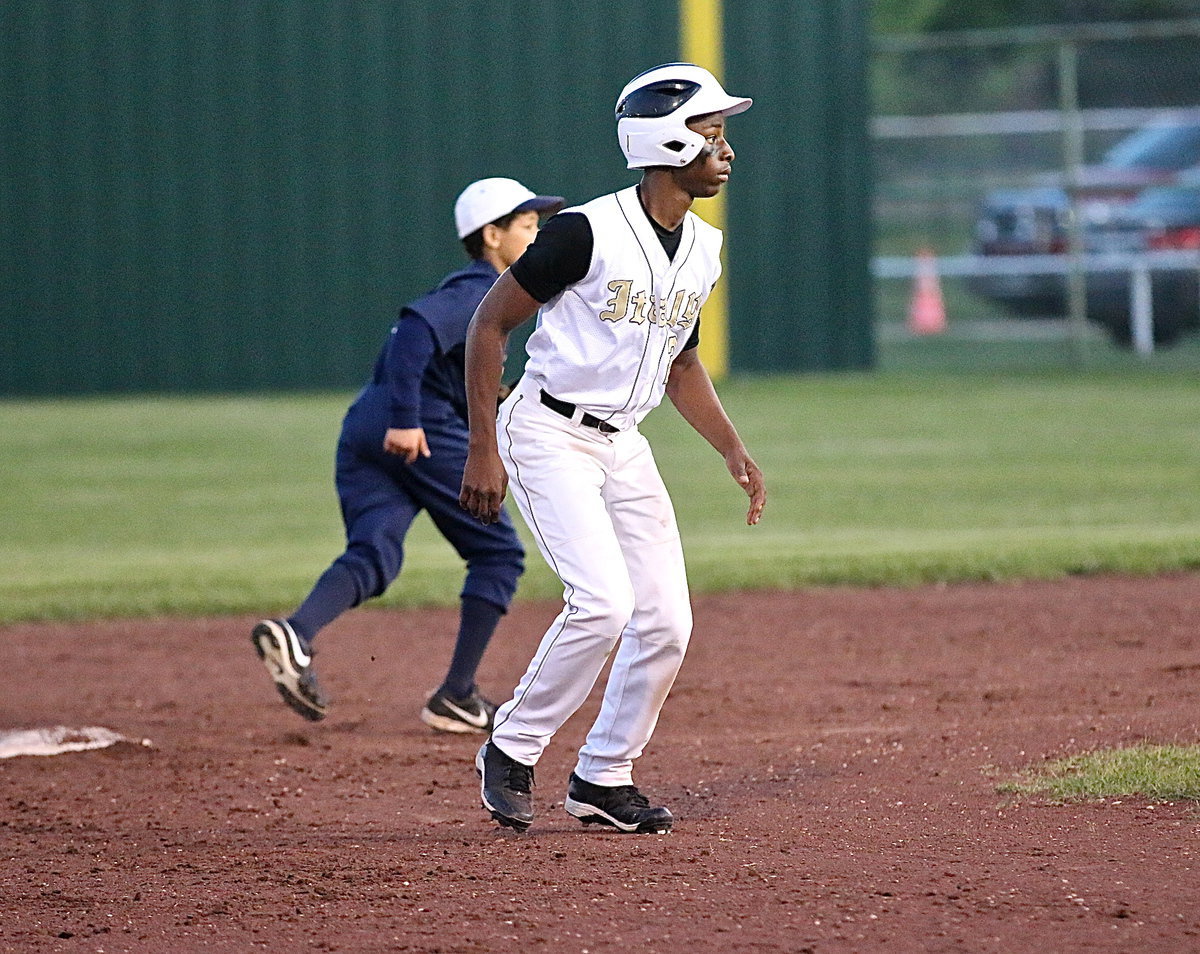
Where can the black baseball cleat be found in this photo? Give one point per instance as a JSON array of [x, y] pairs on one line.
[[506, 787], [447, 713], [622, 807], [289, 661]]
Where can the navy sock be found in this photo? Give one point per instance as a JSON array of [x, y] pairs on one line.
[[334, 593], [476, 624]]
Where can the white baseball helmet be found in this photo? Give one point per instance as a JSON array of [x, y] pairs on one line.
[[654, 107]]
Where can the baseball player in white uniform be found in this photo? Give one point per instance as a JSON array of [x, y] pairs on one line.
[[618, 284]]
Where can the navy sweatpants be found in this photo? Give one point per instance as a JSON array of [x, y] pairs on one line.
[[381, 495]]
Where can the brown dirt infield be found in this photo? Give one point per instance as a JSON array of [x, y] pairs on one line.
[[831, 756]]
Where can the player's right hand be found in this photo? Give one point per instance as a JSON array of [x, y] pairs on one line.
[[406, 442], [484, 485], [743, 469]]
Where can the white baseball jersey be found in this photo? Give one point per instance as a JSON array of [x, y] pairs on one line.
[[606, 343]]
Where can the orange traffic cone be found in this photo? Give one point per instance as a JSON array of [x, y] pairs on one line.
[[926, 310]]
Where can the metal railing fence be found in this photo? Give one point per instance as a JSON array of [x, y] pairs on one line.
[[1071, 121]]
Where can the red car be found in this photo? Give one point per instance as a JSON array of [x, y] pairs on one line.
[[1033, 221]]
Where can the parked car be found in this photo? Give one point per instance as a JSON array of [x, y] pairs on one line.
[[1162, 218], [1033, 221]]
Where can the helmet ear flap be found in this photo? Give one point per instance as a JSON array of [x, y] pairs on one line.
[[642, 142]]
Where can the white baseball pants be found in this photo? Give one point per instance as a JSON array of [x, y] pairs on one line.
[[602, 519]]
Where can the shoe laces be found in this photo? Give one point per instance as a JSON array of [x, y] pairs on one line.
[[472, 701], [519, 777], [635, 797]]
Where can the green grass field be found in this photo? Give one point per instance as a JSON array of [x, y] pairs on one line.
[[116, 507], [1159, 772]]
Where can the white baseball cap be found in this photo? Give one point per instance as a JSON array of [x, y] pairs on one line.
[[486, 200]]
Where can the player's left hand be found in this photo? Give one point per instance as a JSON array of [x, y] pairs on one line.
[[750, 479], [406, 442]]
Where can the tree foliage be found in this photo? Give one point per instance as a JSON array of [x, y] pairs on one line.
[[1131, 73], [919, 16]]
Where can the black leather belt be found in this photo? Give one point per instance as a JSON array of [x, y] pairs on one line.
[[567, 409]]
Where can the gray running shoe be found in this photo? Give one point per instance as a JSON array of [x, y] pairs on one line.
[[289, 661], [447, 714]]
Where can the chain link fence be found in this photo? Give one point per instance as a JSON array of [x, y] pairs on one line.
[[1010, 159]]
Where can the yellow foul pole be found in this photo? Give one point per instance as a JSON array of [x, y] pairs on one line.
[[700, 40]]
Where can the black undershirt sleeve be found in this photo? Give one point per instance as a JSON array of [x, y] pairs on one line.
[[560, 256], [694, 338]]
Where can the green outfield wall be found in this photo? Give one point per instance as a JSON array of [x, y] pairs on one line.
[[799, 222], [212, 195]]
